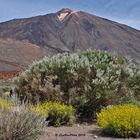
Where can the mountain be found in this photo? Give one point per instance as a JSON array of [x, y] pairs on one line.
[[24, 40]]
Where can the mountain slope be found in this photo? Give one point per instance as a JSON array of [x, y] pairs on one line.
[[65, 31], [21, 52]]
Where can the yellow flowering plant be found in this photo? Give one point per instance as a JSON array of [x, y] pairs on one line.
[[120, 120], [4, 104], [56, 114]]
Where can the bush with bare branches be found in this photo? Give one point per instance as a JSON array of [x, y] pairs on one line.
[[22, 125]]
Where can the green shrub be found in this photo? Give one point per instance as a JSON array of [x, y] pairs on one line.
[[91, 80], [56, 114], [120, 120], [134, 83], [6, 88], [23, 125]]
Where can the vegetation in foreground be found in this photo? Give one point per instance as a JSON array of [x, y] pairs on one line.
[[88, 81], [70, 86], [19, 124], [120, 120], [56, 114]]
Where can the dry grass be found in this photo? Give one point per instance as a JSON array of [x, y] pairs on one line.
[[22, 125]]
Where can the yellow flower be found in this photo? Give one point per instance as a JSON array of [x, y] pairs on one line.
[[7, 93], [122, 120], [4, 104]]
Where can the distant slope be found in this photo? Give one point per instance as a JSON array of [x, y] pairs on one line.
[[16, 55], [10, 66], [24, 40]]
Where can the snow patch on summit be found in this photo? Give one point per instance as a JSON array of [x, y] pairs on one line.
[[61, 16]]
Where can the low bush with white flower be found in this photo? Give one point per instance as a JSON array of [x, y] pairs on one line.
[[88, 81]]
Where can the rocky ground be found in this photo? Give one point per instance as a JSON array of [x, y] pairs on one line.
[[76, 132]]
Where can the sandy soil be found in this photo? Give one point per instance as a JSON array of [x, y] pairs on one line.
[[76, 132]]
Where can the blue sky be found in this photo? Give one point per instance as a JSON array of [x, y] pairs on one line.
[[123, 11]]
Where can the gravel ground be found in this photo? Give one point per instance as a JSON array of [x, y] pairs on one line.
[[76, 132]]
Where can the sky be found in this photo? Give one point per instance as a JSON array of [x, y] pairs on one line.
[[123, 11]]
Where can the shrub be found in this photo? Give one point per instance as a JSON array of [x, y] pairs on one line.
[[4, 104], [134, 83], [6, 88], [56, 114], [22, 125], [120, 120], [88, 81]]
